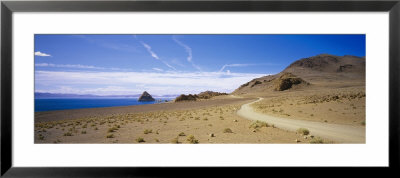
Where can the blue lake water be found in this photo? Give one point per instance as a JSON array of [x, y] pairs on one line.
[[80, 103]]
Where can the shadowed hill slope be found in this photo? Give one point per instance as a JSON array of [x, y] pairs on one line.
[[321, 70], [326, 63]]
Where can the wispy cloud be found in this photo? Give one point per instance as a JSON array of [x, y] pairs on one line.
[[95, 82], [77, 66], [241, 65], [38, 53], [157, 69], [234, 65], [107, 90], [189, 52], [155, 56], [152, 53], [187, 48]]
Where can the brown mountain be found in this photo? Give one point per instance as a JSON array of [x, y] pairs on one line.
[[209, 94], [202, 95], [146, 97], [328, 64], [318, 71], [183, 97]]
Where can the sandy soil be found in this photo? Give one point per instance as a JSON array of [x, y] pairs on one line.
[[82, 113], [336, 132], [340, 105], [192, 122], [337, 116]]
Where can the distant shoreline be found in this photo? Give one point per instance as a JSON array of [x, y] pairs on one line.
[[69, 95], [60, 104], [88, 112], [102, 98]]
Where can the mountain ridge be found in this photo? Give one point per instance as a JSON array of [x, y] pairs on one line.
[[68, 95], [309, 72]]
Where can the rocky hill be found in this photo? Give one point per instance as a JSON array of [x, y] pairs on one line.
[[146, 97], [183, 97], [328, 64], [287, 81], [202, 95], [209, 94], [306, 72]]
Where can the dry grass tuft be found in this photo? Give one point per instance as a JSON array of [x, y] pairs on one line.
[[227, 130], [258, 124], [68, 134], [147, 131], [140, 140], [192, 139], [112, 129], [317, 140], [175, 140], [303, 131]]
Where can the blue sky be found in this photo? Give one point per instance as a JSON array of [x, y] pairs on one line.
[[172, 64]]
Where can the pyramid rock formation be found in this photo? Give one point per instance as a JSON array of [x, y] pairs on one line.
[[146, 97]]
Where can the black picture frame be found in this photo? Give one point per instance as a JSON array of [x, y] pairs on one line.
[[8, 7]]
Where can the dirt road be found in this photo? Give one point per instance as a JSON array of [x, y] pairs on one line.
[[335, 132]]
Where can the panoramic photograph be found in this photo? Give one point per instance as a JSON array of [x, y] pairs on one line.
[[200, 89]]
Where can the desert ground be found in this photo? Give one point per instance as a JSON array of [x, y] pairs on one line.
[[339, 106], [211, 121], [320, 99]]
